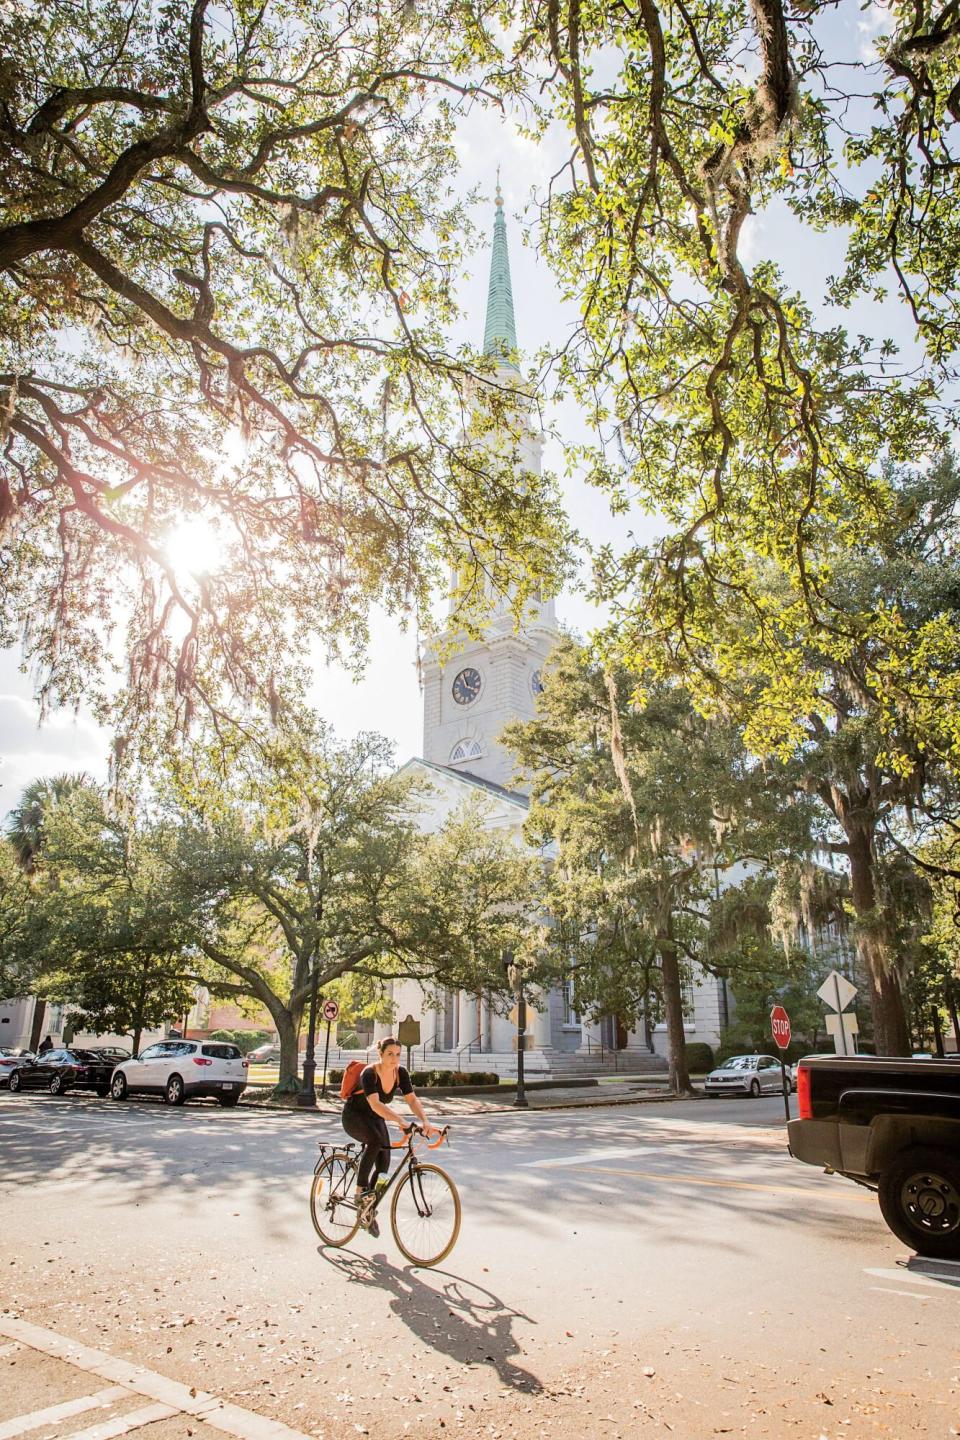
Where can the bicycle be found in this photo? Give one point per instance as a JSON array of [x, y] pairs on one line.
[[424, 1212]]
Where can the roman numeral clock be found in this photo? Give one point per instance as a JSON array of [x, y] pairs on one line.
[[467, 685]]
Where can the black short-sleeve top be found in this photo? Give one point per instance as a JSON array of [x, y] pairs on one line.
[[370, 1085]]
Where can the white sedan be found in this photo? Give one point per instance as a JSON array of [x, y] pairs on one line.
[[747, 1075], [181, 1070]]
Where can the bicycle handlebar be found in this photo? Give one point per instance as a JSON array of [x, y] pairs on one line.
[[413, 1130]]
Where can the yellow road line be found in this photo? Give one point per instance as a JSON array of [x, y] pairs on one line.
[[714, 1183]]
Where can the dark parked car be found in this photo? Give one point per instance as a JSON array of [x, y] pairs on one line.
[[61, 1070], [9, 1059]]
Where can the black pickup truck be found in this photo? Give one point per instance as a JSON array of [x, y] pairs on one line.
[[894, 1126]]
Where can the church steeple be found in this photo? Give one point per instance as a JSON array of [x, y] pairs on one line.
[[500, 331]]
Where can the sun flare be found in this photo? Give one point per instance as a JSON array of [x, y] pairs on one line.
[[194, 547]]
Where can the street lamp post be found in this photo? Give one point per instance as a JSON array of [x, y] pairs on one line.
[[515, 976], [307, 1097]]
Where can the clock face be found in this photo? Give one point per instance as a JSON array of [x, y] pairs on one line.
[[466, 687], [536, 682]]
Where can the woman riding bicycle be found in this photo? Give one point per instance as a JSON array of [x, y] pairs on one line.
[[365, 1115]]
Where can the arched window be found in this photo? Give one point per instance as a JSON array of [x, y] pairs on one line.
[[466, 750]]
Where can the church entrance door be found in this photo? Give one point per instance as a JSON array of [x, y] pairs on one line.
[[614, 1033]]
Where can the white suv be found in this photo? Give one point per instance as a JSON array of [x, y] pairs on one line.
[[180, 1069]]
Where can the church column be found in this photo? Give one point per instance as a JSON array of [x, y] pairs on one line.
[[467, 1027], [539, 1022], [487, 1024]]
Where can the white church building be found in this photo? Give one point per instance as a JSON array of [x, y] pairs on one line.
[[472, 688]]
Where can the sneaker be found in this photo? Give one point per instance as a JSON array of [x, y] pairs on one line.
[[368, 1220]]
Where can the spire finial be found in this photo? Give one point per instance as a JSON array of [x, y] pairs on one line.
[[500, 334]]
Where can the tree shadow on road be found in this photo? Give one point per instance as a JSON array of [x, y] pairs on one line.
[[460, 1318]]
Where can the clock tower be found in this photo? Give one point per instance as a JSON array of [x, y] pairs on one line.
[[473, 688]]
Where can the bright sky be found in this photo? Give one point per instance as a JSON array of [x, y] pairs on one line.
[[387, 697]]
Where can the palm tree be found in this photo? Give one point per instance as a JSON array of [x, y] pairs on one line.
[[26, 822]]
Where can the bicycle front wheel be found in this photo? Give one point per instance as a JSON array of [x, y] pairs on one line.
[[425, 1215], [332, 1207]]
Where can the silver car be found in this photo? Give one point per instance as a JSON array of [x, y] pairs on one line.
[[747, 1075]]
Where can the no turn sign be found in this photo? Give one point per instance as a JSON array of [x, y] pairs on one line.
[[331, 1010], [780, 1026]]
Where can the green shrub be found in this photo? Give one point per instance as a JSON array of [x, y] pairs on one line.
[[699, 1057], [438, 1078]]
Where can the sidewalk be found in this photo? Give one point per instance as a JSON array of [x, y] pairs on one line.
[[560, 1097]]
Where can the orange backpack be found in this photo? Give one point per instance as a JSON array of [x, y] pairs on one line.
[[351, 1078]]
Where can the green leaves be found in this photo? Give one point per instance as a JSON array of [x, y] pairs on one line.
[[221, 248]]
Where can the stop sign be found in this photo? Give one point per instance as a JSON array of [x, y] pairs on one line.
[[780, 1026]]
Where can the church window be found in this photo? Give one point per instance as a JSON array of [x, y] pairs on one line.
[[466, 750]]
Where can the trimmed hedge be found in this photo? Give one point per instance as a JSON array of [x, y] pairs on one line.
[[699, 1057], [440, 1078]]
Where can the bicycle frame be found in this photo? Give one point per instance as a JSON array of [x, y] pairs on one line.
[[346, 1153]]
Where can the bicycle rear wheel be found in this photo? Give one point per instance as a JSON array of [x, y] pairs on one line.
[[425, 1215], [332, 1207]]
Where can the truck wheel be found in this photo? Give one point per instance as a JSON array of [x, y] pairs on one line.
[[920, 1201]]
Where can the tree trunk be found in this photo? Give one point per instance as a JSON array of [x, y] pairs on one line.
[[937, 1032], [288, 1028], [137, 1016], [673, 1008], [954, 1014], [36, 1027], [873, 951]]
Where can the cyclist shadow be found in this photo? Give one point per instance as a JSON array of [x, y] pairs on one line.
[[460, 1318]]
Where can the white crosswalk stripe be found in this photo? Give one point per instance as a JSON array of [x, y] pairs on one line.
[[65, 1411], [171, 1396], [123, 1424]]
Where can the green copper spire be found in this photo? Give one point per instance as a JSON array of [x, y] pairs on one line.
[[500, 332]]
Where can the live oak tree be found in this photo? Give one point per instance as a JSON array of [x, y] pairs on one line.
[[99, 928], [228, 417], [485, 897], [16, 968], [733, 410], [647, 806], [301, 861], [771, 946], [853, 742]]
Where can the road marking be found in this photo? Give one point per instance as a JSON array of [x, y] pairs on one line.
[[718, 1184], [908, 1277], [32, 1421], [588, 1155], [123, 1424], [219, 1414]]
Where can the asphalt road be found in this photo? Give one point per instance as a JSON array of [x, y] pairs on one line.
[[633, 1271]]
